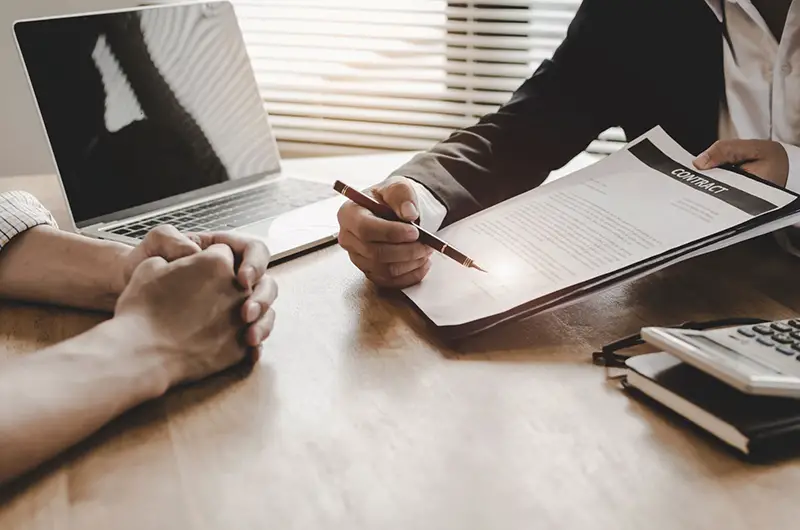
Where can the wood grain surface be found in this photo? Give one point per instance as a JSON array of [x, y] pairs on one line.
[[357, 417]]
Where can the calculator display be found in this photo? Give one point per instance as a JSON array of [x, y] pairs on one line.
[[713, 344], [725, 355]]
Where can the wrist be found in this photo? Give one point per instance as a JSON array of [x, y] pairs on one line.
[[106, 273], [432, 211], [136, 354], [793, 170], [119, 276]]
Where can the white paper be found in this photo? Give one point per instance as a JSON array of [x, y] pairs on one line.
[[615, 213]]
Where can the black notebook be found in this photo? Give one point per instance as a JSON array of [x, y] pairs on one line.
[[758, 426]]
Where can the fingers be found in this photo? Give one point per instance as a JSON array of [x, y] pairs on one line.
[[387, 270], [402, 281], [758, 167], [260, 302], [254, 354], [220, 258], [163, 241], [258, 313], [395, 275], [167, 242], [398, 270], [763, 158], [385, 249], [383, 252], [387, 252], [399, 194], [252, 255], [729, 152], [260, 331], [768, 171], [371, 229]]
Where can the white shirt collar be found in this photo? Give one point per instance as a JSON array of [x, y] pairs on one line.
[[716, 6]]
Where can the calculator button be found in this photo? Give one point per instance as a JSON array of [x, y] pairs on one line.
[[796, 346], [782, 339], [766, 342], [786, 350], [795, 335], [748, 333], [780, 326], [794, 323], [763, 330]]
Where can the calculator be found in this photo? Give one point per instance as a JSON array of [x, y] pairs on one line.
[[759, 359]]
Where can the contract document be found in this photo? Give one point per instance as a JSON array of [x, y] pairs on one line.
[[640, 209]]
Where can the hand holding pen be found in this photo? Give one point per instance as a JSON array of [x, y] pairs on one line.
[[382, 238]]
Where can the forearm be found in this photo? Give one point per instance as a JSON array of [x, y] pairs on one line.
[[47, 265], [551, 118], [54, 398], [494, 159]]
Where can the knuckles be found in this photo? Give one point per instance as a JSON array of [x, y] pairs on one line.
[[418, 275], [256, 246], [397, 188], [163, 232], [375, 253], [396, 270], [215, 264], [345, 215], [342, 239]]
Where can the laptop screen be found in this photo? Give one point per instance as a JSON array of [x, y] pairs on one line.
[[144, 105]]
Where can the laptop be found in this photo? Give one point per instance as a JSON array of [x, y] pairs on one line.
[[153, 116]]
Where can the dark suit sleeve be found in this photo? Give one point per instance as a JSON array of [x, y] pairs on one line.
[[551, 117]]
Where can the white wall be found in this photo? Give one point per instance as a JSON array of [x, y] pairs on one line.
[[22, 143]]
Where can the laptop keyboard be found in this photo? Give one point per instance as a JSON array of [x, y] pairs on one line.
[[234, 211]]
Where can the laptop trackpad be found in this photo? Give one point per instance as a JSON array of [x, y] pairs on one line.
[[298, 229]]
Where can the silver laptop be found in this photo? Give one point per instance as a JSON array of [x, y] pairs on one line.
[[153, 116]]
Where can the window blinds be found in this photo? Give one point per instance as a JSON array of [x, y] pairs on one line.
[[343, 76]]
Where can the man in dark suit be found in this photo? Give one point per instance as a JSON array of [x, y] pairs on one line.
[[717, 75]]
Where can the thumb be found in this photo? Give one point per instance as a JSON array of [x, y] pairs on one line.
[[149, 269], [727, 152], [400, 196], [167, 242]]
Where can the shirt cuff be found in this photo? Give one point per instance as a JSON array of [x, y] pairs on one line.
[[21, 211], [793, 179], [431, 211], [789, 237]]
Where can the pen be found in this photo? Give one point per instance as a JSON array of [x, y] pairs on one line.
[[384, 212]]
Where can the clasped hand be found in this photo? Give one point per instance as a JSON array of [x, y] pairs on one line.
[[205, 299]]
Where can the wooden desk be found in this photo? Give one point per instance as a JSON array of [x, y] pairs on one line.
[[357, 418]]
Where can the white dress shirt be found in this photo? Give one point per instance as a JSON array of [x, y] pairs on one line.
[[20, 211], [762, 80], [762, 89]]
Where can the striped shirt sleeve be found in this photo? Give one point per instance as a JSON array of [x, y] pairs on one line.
[[21, 211]]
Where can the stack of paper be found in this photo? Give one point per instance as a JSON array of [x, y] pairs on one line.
[[638, 210]]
